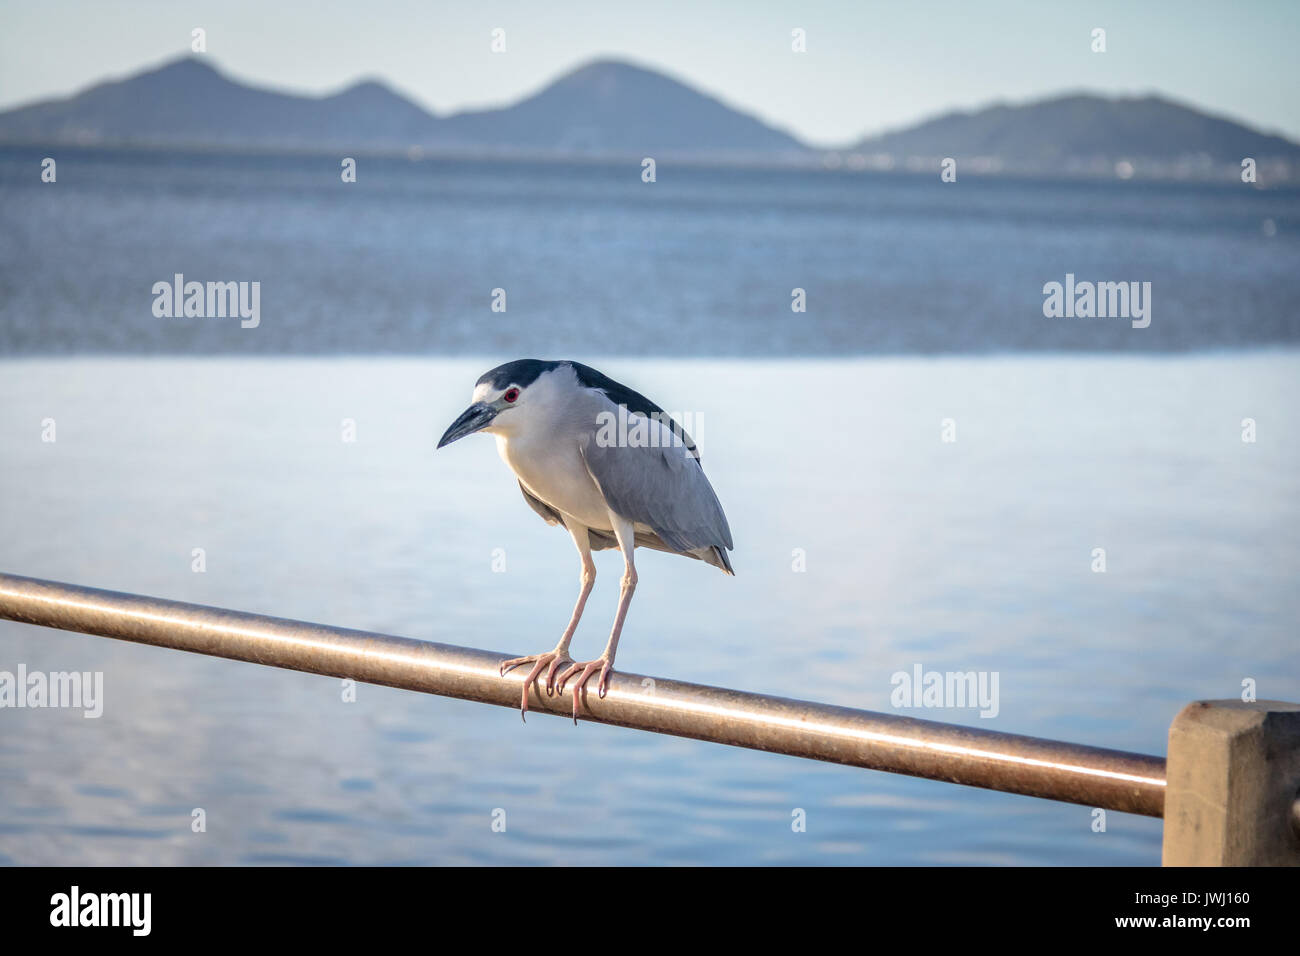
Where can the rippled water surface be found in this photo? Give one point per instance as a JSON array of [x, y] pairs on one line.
[[595, 262], [970, 555]]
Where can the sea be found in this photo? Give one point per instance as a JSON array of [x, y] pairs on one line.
[[920, 469]]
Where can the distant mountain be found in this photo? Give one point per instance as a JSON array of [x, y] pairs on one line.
[[604, 107], [188, 102], [1082, 130], [613, 107], [609, 107]]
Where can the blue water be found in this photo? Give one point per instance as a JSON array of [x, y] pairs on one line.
[[969, 555], [821, 432], [595, 262]]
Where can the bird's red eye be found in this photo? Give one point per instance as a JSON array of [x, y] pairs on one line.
[[511, 394]]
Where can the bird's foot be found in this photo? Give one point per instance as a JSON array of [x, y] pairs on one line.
[[556, 659], [584, 672]]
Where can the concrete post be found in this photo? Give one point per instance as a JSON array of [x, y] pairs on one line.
[[1233, 782]]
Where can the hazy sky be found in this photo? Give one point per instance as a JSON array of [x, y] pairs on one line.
[[869, 65]]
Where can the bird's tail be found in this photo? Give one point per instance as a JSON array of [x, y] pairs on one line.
[[717, 557]]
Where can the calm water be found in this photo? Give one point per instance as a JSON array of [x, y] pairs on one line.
[[821, 436], [973, 555], [595, 262]]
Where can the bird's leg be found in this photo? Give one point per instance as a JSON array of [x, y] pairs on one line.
[[560, 655], [623, 530]]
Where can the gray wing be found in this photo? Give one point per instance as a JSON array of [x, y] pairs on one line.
[[599, 540], [549, 514], [663, 487]]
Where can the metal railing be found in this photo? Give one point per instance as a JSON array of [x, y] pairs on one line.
[[1074, 773]]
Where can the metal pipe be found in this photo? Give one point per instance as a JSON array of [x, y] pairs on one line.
[[1134, 783]]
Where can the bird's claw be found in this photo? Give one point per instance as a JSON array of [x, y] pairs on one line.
[[555, 659], [584, 672]]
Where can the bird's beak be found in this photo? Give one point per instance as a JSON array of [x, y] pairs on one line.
[[476, 417]]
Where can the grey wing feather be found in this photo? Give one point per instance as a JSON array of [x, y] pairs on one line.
[[600, 540], [550, 515], [663, 487]]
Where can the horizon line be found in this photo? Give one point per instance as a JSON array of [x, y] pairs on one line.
[[209, 61]]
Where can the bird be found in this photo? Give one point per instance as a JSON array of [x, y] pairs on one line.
[[609, 466]]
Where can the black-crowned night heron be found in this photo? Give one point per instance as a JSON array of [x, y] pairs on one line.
[[611, 467]]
